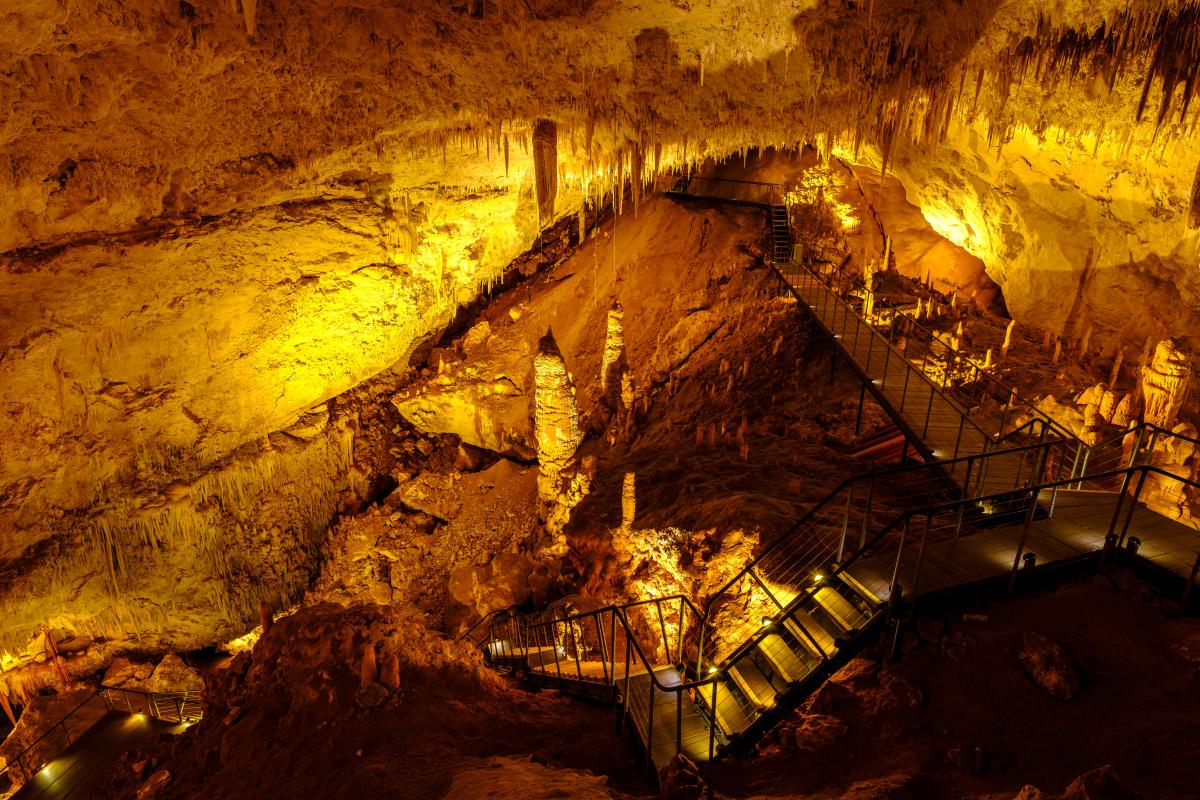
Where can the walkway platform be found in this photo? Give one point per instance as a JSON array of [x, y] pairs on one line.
[[74, 774]]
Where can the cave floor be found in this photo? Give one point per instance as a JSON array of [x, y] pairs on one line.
[[73, 775]]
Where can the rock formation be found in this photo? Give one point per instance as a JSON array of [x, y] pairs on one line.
[[1165, 382], [555, 418]]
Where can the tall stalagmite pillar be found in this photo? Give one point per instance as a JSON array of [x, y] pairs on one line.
[[545, 168], [555, 417], [1165, 382]]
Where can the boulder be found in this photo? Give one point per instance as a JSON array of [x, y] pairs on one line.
[[970, 760], [122, 670], [154, 784], [818, 731], [1049, 666], [1099, 784], [680, 780], [899, 692]]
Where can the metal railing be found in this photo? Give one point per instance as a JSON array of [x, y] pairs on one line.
[[25, 764], [732, 190], [603, 647], [841, 522], [176, 707]]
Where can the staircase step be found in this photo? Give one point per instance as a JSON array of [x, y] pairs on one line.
[[789, 663], [731, 715], [750, 679], [814, 638], [841, 610], [860, 588]]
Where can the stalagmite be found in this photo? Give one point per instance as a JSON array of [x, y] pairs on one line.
[[612, 361], [1194, 211], [1008, 332], [545, 168], [1083, 343], [1057, 350], [249, 7], [1124, 412], [1108, 405], [628, 501], [627, 390], [1116, 370], [1165, 382], [555, 417], [368, 670]]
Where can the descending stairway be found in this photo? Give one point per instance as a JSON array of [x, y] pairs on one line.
[[990, 501]]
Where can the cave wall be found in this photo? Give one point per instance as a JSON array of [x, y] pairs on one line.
[[217, 218]]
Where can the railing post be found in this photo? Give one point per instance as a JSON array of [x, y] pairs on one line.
[[921, 554], [958, 439], [887, 357], [1137, 494], [928, 411], [712, 723], [662, 626], [1012, 581], [603, 647], [908, 370], [862, 536], [679, 638], [1112, 525], [899, 556], [962, 504], [845, 523], [625, 694], [650, 722], [678, 721]]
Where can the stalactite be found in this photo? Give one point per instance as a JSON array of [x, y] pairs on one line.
[[545, 167], [1116, 369], [1194, 211]]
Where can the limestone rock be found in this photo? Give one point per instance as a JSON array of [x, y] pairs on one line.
[[509, 579], [680, 779], [1100, 784], [123, 669], [899, 692], [555, 417], [154, 784], [1165, 382], [817, 732], [1049, 666], [370, 694], [970, 760]]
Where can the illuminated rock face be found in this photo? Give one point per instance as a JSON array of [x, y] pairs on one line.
[[555, 418], [215, 222], [1165, 383]]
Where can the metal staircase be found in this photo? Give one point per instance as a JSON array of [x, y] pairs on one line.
[[708, 682], [992, 501]]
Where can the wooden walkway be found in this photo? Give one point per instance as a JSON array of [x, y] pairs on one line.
[[1077, 529], [74, 774], [824, 611]]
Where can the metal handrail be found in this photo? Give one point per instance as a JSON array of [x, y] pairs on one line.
[[710, 678], [837, 492], [913, 324], [950, 506], [619, 610], [61, 723], [151, 700]]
